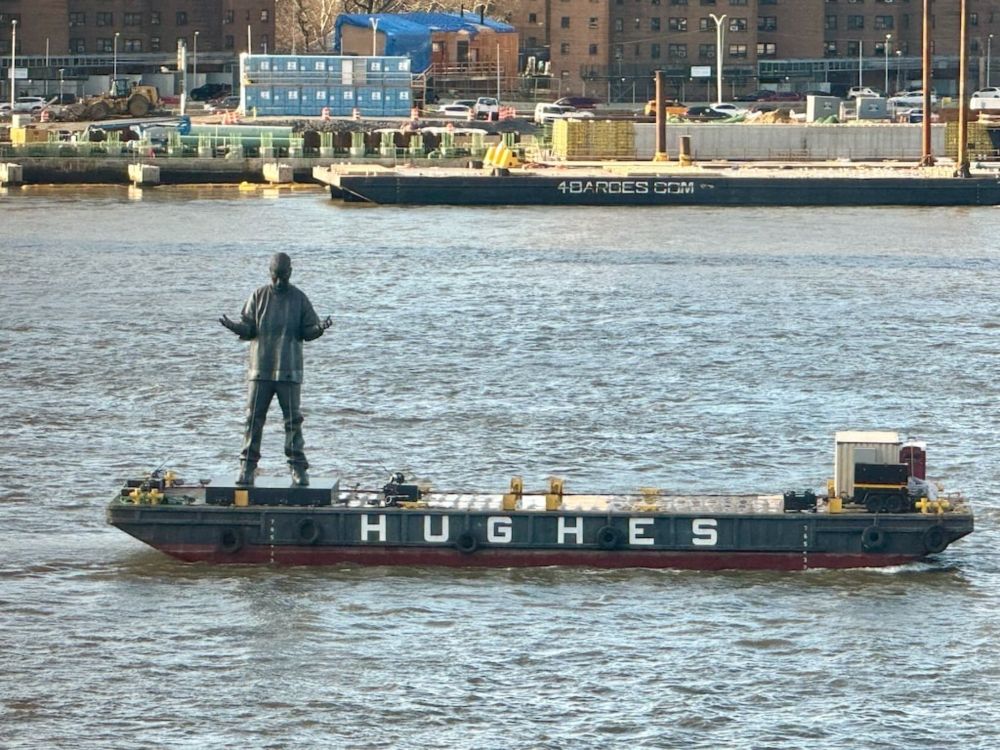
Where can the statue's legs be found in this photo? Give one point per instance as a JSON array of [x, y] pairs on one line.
[[259, 395], [289, 397]]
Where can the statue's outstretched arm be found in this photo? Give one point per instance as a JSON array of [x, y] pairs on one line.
[[244, 328]]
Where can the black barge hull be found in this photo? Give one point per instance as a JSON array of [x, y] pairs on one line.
[[467, 188], [471, 539]]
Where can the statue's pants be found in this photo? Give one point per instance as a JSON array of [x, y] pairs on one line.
[[259, 397]]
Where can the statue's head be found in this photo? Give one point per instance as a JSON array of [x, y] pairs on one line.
[[281, 271]]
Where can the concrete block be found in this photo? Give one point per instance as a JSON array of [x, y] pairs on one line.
[[144, 174], [11, 174], [276, 173]]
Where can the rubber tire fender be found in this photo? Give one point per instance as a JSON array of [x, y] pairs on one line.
[[873, 539], [231, 540], [466, 543], [608, 538], [935, 539], [308, 531]]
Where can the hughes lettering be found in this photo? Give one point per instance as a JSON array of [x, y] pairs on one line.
[[625, 187], [569, 530]]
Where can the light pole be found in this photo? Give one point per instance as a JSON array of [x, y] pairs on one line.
[[989, 53], [888, 39], [374, 22], [13, 49], [899, 64], [194, 73], [61, 98], [861, 61], [114, 64], [719, 36]]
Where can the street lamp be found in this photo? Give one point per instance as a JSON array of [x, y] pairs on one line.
[[719, 35], [62, 99], [899, 64], [888, 39], [114, 68], [861, 62], [13, 49], [194, 73], [989, 53], [374, 22]]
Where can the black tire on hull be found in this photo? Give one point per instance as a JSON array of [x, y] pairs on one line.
[[231, 540], [935, 539], [608, 537], [873, 539], [308, 531], [467, 543]]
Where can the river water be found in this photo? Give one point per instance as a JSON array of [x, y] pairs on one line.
[[691, 349]]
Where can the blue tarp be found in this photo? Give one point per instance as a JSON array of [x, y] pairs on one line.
[[409, 34]]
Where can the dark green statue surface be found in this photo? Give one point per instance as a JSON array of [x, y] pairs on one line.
[[276, 319]]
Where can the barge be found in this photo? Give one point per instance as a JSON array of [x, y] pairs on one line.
[[641, 186], [878, 511]]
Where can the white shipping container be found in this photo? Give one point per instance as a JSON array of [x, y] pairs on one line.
[[852, 447]]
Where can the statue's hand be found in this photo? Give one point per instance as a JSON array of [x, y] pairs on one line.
[[228, 323], [327, 322]]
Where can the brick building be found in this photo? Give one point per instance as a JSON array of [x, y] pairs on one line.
[[80, 35], [611, 48]]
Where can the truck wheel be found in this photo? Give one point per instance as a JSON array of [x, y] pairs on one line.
[[138, 105]]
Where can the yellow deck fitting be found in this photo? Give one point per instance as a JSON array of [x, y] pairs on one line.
[[241, 498], [554, 497], [512, 498]]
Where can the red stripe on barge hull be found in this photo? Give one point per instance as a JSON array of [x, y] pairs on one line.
[[527, 558]]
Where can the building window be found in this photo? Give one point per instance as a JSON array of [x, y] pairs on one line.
[[853, 49], [855, 2], [619, 24], [154, 44], [230, 42], [707, 2], [77, 19], [564, 22], [767, 23], [638, 24], [973, 19], [265, 16], [677, 51], [654, 23], [154, 18], [532, 18], [767, 2], [182, 18], [592, 50], [677, 24], [592, 22], [855, 22], [705, 24], [264, 40], [974, 46], [105, 19], [105, 45], [737, 2], [737, 24], [766, 49], [564, 48], [133, 45], [229, 17], [831, 23], [737, 50], [883, 22], [654, 51], [133, 19], [78, 45], [678, 2], [638, 51], [829, 49], [619, 51], [706, 50]]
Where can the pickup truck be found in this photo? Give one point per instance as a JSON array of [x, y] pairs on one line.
[[486, 108]]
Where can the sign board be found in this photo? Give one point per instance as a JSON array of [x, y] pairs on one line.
[[701, 71], [19, 73]]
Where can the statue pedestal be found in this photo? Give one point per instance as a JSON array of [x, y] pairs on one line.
[[272, 491]]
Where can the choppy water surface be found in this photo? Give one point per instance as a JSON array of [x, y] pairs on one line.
[[690, 349]]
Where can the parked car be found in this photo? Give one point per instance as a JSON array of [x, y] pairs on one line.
[[786, 96], [987, 98], [486, 108], [729, 108], [545, 112], [863, 91], [703, 113], [990, 92], [210, 91], [32, 104], [910, 99], [455, 110], [578, 102], [763, 95], [225, 104]]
